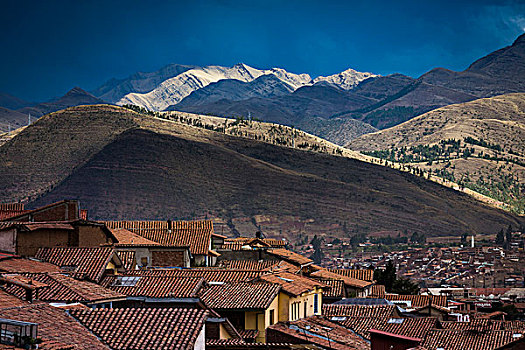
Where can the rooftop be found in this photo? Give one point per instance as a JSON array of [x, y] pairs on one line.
[[144, 328], [240, 295], [89, 261]]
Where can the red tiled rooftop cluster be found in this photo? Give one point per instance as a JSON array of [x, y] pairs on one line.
[[240, 295], [90, 261], [195, 234], [144, 328], [161, 286]]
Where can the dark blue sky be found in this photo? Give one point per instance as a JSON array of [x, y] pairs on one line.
[[50, 46]]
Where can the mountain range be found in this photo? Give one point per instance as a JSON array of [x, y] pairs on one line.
[[121, 164], [346, 100], [339, 107], [13, 119]]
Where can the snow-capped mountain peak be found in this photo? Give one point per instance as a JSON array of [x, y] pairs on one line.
[[346, 79], [173, 90]]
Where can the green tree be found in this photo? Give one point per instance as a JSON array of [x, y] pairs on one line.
[[405, 286], [500, 238], [318, 255], [386, 277], [508, 234]]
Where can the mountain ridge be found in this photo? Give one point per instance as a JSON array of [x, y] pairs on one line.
[[478, 144], [177, 171]]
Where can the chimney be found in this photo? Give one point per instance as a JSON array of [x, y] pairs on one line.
[[29, 295], [258, 234]]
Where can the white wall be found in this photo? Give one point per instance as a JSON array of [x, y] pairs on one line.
[[200, 343]]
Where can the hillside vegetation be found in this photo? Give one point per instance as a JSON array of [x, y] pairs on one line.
[[479, 145]]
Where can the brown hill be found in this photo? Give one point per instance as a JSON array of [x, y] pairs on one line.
[[124, 165], [492, 148]]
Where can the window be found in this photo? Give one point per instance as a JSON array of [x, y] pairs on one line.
[[295, 310], [305, 308], [126, 281], [316, 304], [272, 317]]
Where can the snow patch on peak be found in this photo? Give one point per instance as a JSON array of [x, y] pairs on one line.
[[294, 80], [346, 79], [175, 89]]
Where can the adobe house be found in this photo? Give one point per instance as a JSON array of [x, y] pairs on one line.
[[91, 263], [140, 252], [248, 305], [25, 238], [198, 235], [66, 210], [300, 297]]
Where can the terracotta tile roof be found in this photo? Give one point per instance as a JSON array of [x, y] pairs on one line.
[[12, 206], [247, 264], [128, 238], [283, 266], [250, 334], [20, 265], [450, 339], [240, 295], [7, 214], [209, 274], [319, 331], [195, 234], [90, 261], [418, 301], [8, 300], [349, 281], [144, 328], [155, 286], [9, 210], [54, 325], [378, 290], [291, 283], [129, 262], [290, 256], [408, 327], [359, 324], [383, 311], [336, 288], [62, 288], [360, 274]]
